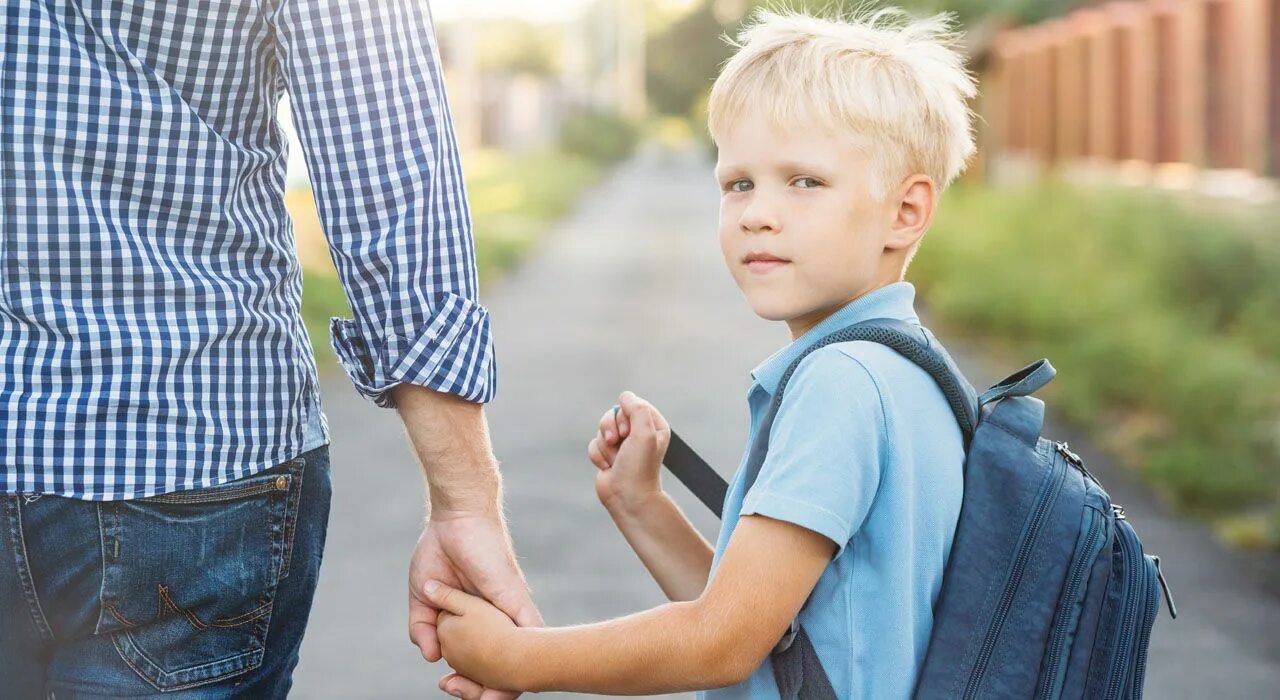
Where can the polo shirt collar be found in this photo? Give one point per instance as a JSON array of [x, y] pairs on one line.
[[894, 301]]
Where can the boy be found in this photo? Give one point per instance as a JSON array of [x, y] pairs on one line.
[[835, 139]]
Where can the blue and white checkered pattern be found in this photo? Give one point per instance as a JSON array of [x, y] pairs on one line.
[[150, 336]]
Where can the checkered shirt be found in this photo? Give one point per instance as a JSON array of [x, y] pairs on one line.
[[150, 334]]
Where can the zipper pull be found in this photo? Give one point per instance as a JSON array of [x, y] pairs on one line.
[[1065, 450], [1164, 587]]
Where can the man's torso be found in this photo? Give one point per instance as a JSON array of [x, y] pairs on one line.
[[150, 337]]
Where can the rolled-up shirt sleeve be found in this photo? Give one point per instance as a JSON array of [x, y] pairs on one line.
[[368, 97]]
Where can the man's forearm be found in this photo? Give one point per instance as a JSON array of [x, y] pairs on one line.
[[451, 438], [671, 648], [675, 554]]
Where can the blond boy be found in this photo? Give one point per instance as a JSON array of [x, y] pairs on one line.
[[835, 141]]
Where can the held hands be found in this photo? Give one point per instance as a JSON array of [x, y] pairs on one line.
[[628, 453], [471, 552], [478, 641]]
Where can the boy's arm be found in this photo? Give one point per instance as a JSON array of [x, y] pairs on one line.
[[673, 551], [628, 453], [768, 571]]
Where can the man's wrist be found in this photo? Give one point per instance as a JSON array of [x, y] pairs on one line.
[[451, 438], [478, 495]]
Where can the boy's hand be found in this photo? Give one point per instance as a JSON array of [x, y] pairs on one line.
[[628, 453], [476, 639]]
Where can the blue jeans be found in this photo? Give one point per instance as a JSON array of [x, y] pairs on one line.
[[194, 594]]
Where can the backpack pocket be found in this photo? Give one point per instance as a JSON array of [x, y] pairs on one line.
[[1133, 599], [1094, 535]]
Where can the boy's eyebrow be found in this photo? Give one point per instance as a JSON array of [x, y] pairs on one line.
[[795, 166], [787, 167], [724, 171]]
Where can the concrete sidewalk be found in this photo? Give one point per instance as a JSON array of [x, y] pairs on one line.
[[630, 293]]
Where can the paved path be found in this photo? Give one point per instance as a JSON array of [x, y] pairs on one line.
[[630, 293]]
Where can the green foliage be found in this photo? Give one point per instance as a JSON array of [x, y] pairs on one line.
[[512, 197], [1160, 315], [604, 137], [322, 299], [682, 59]]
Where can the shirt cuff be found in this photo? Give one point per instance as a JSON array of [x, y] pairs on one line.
[[452, 352]]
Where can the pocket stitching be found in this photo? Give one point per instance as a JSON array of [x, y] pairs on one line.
[[293, 503], [111, 608], [165, 598], [229, 491], [23, 566], [128, 646], [251, 665]]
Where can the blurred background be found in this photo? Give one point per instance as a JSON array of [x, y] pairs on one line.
[[1122, 218]]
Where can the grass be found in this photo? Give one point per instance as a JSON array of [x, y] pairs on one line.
[[1161, 315], [513, 199]]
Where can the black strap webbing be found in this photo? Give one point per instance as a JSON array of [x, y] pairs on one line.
[[696, 474]]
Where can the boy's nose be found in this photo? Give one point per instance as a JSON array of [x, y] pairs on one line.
[[759, 219]]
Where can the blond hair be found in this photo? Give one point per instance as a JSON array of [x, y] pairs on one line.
[[896, 84]]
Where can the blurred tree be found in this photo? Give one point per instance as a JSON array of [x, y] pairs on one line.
[[601, 136], [682, 59], [684, 55]]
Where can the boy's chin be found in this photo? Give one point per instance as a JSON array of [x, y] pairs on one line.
[[773, 311]]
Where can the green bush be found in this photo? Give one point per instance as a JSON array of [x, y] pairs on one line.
[[603, 137], [322, 299], [1162, 315]]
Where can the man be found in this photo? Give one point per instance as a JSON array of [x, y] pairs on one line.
[[164, 485]]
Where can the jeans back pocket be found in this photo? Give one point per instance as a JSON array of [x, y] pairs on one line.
[[189, 577]]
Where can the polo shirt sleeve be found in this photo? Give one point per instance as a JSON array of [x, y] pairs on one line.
[[826, 449]]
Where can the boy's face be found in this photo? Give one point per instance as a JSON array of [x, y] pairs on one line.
[[801, 197]]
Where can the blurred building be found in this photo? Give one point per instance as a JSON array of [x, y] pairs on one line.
[[1174, 92], [604, 58], [599, 65]]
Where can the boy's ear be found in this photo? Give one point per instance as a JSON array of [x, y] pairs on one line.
[[915, 200]]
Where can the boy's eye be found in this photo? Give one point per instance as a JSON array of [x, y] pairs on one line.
[[740, 186], [807, 182]]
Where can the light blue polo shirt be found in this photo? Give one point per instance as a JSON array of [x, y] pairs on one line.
[[865, 451]]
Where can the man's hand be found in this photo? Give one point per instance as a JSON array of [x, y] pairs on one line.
[[465, 543], [472, 553]]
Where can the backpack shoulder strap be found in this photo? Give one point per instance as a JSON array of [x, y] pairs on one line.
[[797, 670], [917, 344], [912, 341]]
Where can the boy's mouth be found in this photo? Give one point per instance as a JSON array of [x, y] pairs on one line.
[[759, 261]]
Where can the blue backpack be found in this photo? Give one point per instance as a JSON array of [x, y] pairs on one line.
[[1047, 592]]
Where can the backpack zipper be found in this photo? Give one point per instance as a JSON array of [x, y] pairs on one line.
[[1120, 671], [1152, 609], [1164, 587], [1060, 629], [1049, 495]]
